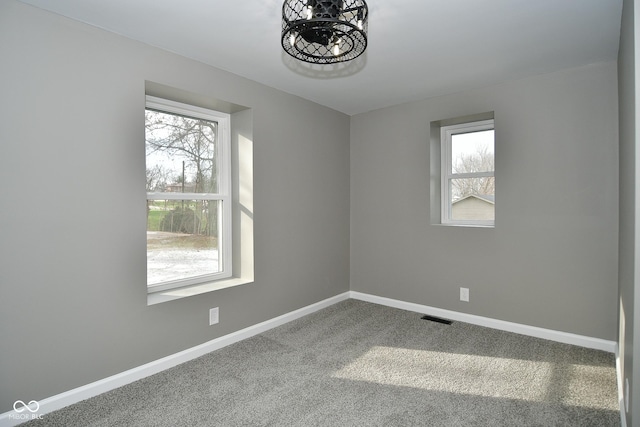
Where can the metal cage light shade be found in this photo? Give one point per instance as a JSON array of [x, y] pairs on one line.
[[324, 31]]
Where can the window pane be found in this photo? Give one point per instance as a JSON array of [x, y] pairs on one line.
[[182, 239], [473, 199], [181, 153], [472, 152]]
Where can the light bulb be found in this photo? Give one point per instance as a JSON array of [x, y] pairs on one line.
[[336, 50], [360, 24], [309, 12], [292, 39]]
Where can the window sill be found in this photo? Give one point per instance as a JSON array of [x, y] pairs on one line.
[[188, 291], [466, 225]]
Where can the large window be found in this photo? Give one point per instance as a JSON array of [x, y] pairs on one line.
[[468, 181], [188, 194]]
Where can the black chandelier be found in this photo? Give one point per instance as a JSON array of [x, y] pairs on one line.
[[324, 31]]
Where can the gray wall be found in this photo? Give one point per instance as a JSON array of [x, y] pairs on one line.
[[551, 260], [629, 308], [72, 248]]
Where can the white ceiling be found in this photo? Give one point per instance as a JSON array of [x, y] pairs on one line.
[[417, 48]]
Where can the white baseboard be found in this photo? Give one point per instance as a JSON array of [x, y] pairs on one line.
[[67, 398], [533, 331]]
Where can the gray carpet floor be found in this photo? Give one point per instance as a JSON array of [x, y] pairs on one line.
[[361, 364]]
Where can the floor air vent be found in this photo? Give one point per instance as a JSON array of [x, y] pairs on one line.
[[436, 319]]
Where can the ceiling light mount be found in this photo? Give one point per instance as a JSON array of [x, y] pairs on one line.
[[324, 31]]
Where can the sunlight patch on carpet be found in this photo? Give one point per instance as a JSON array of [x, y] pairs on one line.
[[486, 376]]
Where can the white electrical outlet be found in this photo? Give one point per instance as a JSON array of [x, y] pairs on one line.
[[464, 294], [214, 316]]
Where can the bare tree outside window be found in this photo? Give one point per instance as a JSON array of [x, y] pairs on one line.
[[157, 178], [182, 233], [468, 175], [184, 148], [472, 152]]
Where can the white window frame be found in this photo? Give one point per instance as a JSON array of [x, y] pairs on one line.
[[446, 133], [223, 159]]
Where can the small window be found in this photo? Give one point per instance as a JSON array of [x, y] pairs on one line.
[[468, 181], [188, 194]]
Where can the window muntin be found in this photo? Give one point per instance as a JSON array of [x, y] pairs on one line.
[[468, 181], [188, 194]]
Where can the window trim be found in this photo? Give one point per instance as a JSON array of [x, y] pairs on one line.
[[224, 193], [446, 133]]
